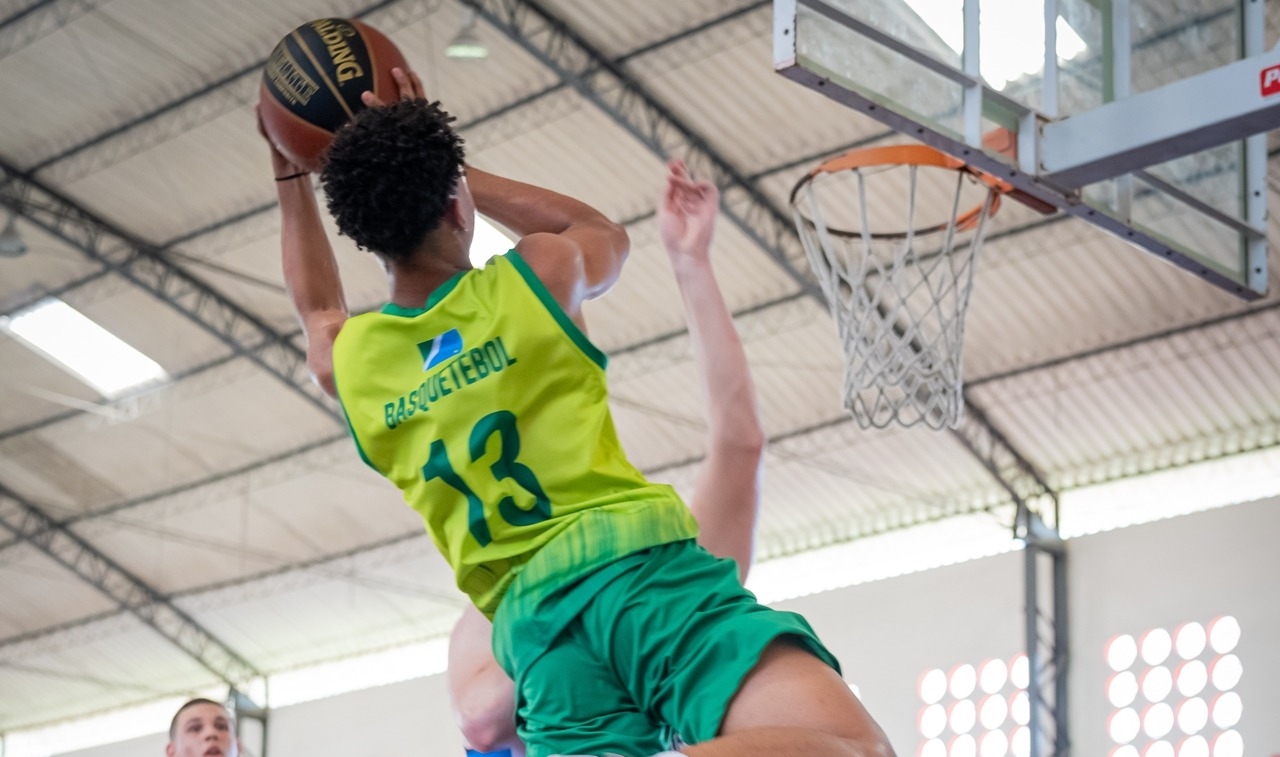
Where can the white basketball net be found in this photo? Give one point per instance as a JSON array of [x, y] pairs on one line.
[[898, 300]]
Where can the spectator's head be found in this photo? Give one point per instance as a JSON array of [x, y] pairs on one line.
[[202, 728]]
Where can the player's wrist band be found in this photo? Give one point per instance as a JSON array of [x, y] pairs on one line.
[[291, 176]]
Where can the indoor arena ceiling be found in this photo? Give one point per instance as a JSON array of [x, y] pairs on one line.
[[220, 525]]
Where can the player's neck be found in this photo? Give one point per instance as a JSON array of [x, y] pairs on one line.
[[413, 280]]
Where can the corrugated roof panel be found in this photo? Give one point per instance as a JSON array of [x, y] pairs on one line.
[[243, 264], [49, 264], [175, 439], [584, 154], [30, 577], [1130, 403], [93, 667], [797, 366], [407, 560], [123, 60], [468, 89], [35, 388], [645, 302], [249, 527], [619, 27], [835, 484], [724, 82], [217, 155], [330, 620], [1066, 288]]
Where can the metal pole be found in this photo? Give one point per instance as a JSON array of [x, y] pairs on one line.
[[1047, 644], [1121, 84], [972, 60], [1254, 178], [1031, 620], [1061, 655], [1049, 84]]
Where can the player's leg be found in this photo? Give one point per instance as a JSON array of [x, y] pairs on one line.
[[792, 703], [730, 675], [568, 702]]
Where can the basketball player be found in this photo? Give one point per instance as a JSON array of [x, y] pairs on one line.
[[202, 728], [478, 393], [726, 497]]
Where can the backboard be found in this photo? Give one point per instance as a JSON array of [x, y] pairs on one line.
[[1146, 118]]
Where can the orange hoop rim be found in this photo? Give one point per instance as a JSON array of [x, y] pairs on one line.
[[908, 155]]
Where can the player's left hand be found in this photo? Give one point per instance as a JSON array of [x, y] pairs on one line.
[[281, 165], [687, 213], [408, 82]]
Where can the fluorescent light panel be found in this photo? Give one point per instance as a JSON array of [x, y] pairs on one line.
[[75, 343]]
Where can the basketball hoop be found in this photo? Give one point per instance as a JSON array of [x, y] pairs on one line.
[[897, 276]]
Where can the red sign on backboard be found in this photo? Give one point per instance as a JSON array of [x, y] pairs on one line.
[[1271, 81]]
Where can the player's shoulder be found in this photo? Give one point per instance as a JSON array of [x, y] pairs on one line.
[[555, 261], [548, 252]]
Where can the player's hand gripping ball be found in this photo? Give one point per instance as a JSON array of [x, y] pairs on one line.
[[313, 82]]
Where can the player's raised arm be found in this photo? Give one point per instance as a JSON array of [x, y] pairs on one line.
[[310, 269], [726, 498], [574, 249]]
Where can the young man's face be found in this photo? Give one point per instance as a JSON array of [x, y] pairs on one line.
[[204, 730]]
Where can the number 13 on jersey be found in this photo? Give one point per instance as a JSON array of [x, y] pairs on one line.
[[502, 424]]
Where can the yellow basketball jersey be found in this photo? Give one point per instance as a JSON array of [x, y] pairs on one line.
[[488, 409]]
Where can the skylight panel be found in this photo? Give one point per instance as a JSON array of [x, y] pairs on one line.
[[80, 346], [487, 242]]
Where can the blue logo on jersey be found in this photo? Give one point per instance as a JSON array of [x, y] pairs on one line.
[[436, 351]]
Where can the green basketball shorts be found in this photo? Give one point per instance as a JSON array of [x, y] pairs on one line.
[[652, 645]]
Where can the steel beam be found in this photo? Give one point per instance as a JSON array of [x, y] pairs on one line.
[[39, 20], [147, 267], [125, 589]]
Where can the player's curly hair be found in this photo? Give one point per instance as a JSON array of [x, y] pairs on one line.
[[390, 174]]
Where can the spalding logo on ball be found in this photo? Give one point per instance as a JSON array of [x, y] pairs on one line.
[[313, 81]]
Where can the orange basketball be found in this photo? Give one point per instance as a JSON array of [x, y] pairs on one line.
[[313, 80]]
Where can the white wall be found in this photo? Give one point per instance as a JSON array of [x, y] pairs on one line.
[[410, 719], [147, 746], [1163, 574], [1194, 568], [888, 633]]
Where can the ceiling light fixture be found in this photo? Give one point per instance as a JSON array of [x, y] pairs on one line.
[[12, 245], [467, 44], [72, 341]]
